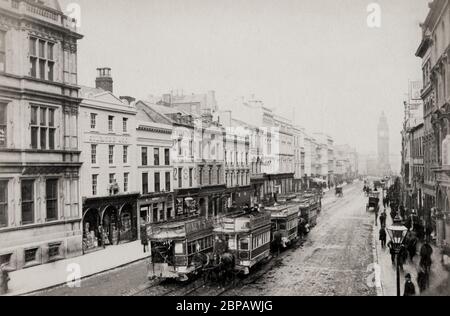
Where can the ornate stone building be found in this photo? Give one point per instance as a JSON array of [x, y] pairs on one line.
[[40, 207], [434, 49]]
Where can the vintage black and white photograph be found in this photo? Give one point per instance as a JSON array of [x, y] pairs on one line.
[[224, 149]]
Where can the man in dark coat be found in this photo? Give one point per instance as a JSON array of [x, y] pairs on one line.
[[412, 247], [383, 218], [383, 237], [410, 289]]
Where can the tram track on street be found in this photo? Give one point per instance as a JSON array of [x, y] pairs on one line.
[[199, 288]]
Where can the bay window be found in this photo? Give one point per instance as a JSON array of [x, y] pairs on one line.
[[42, 59], [43, 128]]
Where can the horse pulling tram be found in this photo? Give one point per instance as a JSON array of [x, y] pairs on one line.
[[174, 246]]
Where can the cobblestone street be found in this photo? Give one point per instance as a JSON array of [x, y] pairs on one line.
[[335, 260]]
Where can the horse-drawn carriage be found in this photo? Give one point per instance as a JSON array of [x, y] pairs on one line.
[[374, 201]]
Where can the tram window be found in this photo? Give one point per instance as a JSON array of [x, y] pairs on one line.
[[179, 248], [244, 244], [283, 225]]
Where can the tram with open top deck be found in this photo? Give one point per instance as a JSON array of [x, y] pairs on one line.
[[285, 222], [174, 245], [247, 235]]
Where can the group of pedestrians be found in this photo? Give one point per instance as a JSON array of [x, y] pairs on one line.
[[408, 251]]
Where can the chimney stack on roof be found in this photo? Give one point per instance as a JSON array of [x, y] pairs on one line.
[[104, 80]]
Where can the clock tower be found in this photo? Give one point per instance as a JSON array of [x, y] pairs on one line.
[[383, 146]]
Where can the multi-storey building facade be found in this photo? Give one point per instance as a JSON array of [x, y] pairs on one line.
[[107, 129], [429, 107], [185, 184], [237, 161], [436, 40], [155, 170], [40, 207]]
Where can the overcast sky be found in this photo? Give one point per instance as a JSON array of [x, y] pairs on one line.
[[317, 56]]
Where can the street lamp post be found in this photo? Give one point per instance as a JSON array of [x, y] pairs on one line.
[[397, 233]]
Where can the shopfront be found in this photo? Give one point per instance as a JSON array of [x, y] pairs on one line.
[[109, 221], [156, 208], [186, 202]]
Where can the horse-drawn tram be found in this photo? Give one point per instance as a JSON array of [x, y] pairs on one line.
[[285, 222], [174, 246], [309, 208], [248, 237]]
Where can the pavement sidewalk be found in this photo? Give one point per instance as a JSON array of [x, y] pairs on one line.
[[388, 272], [58, 273]]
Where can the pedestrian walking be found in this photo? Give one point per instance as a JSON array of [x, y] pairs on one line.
[[410, 289], [428, 232], [144, 239], [412, 247], [383, 236], [423, 280], [402, 256], [383, 218], [426, 252]]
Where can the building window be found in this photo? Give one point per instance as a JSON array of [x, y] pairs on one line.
[[144, 156], [168, 181], [125, 125], [218, 175], [112, 178], [42, 62], [42, 128], [167, 157], [94, 184], [125, 181], [190, 176], [93, 121], [200, 175], [27, 195], [3, 124], [180, 177], [180, 148], [191, 148], [144, 183], [157, 182], [3, 203], [125, 154], [51, 198], [94, 154], [110, 123], [54, 251], [2, 51], [111, 154], [31, 255], [156, 156]]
